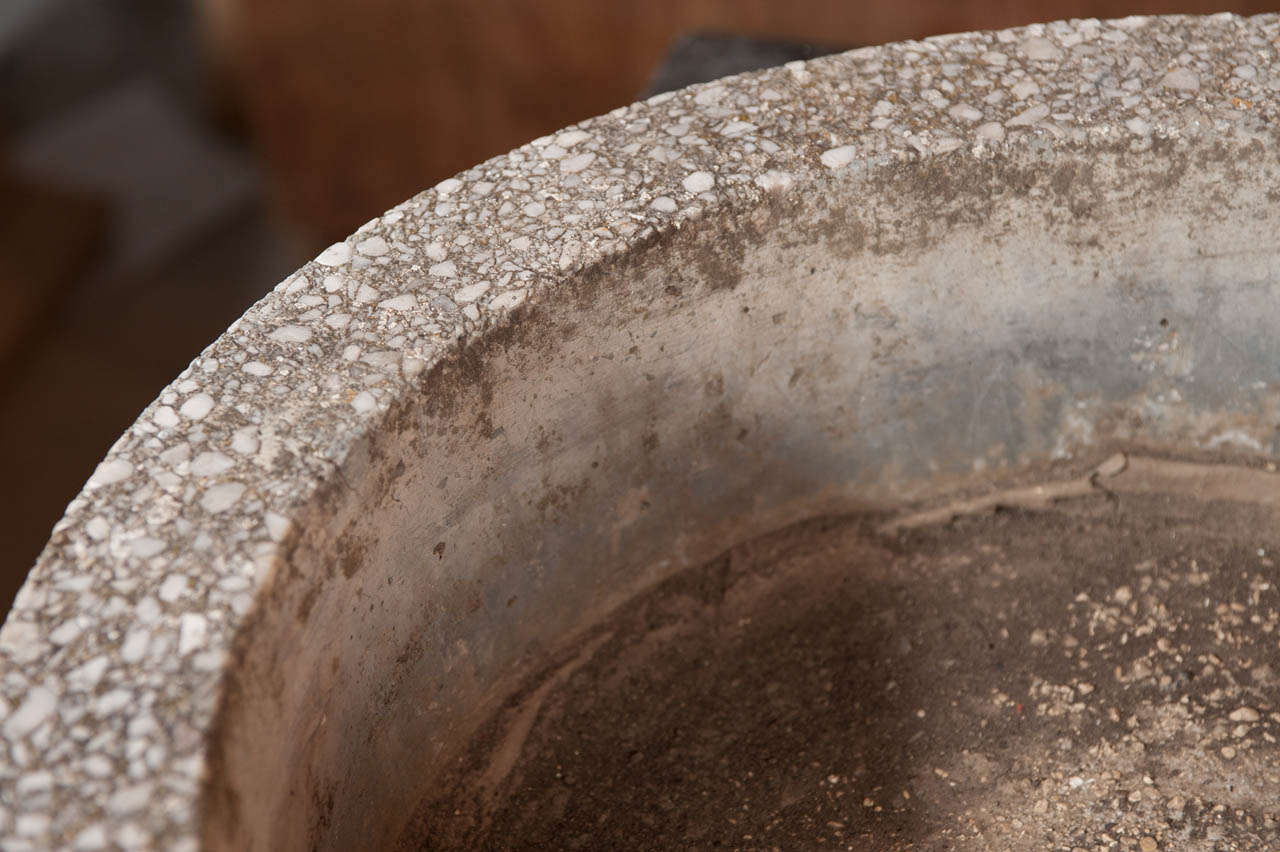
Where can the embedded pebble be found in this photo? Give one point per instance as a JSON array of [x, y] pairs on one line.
[[256, 368], [372, 247], [471, 292], [278, 525], [699, 182], [38, 706], [335, 255], [92, 838], [403, 302], [210, 463], [569, 138], [508, 299], [220, 498], [991, 131], [291, 334], [146, 547], [110, 472], [1031, 115], [1024, 89], [838, 158], [196, 407], [165, 417], [575, 164], [775, 181], [193, 630], [1138, 127], [1039, 49], [1183, 79]]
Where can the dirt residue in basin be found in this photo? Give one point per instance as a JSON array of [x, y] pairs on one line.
[[1098, 671]]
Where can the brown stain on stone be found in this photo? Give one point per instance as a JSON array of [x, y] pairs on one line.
[[308, 602], [714, 386], [353, 554]]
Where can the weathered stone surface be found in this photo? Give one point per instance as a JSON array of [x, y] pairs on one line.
[[524, 395]]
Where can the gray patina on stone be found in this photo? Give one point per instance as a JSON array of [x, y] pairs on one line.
[[225, 541]]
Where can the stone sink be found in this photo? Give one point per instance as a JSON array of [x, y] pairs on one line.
[[893, 282]]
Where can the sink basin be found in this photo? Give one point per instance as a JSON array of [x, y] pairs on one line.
[[895, 281]]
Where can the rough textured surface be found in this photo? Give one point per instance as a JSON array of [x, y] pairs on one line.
[[1094, 674], [122, 671]]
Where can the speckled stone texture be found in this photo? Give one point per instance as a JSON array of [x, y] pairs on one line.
[[116, 656]]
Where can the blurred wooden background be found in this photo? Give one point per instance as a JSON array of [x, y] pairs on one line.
[[357, 105]]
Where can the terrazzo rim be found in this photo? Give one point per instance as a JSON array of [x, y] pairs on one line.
[[113, 652]]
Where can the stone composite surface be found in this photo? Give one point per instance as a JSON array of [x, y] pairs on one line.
[[113, 653]]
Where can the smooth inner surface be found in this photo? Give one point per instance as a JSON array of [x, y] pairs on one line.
[[1099, 671]]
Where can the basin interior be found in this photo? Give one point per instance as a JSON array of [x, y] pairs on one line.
[[892, 338], [1081, 674]]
